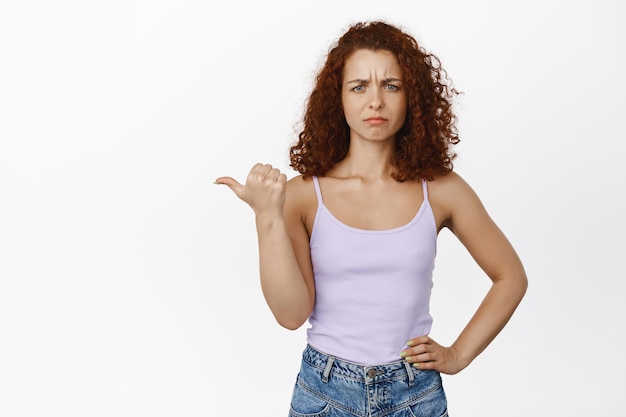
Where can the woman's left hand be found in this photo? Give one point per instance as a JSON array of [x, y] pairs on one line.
[[424, 353]]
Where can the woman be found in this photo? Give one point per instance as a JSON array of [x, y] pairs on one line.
[[349, 245]]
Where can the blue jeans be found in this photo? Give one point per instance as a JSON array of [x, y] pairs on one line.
[[331, 387]]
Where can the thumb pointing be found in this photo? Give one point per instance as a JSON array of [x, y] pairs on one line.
[[231, 183]]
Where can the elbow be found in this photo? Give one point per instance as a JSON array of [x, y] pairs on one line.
[[514, 284], [523, 282], [293, 320], [290, 324], [521, 285]]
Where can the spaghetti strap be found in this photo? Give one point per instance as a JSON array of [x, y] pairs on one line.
[[318, 191], [425, 189]]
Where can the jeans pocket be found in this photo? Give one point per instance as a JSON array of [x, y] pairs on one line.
[[432, 404], [421, 412], [306, 404]]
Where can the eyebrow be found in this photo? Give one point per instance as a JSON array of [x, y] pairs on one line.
[[362, 81]]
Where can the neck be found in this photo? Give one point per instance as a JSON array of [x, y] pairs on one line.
[[370, 161]]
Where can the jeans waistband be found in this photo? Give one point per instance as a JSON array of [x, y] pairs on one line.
[[367, 374]]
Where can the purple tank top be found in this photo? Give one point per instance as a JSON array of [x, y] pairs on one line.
[[372, 286]]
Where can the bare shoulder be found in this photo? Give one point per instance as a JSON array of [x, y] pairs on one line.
[[449, 194], [299, 182], [301, 199], [446, 186], [300, 189]]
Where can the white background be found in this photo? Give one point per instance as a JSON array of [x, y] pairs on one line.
[[128, 281]]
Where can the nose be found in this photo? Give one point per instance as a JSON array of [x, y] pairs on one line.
[[376, 105], [376, 102]]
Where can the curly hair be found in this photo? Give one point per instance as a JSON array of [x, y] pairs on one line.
[[425, 141]]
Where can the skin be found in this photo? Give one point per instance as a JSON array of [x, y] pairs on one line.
[[360, 191]]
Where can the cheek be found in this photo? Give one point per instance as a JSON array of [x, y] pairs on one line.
[[349, 110], [402, 111]]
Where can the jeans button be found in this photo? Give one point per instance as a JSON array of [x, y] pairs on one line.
[[371, 373]]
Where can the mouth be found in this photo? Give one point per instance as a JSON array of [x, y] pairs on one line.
[[375, 120]]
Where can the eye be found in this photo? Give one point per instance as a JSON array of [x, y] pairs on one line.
[[392, 87], [358, 88]]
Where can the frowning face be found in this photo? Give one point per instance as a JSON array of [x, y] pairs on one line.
[[373, 97]]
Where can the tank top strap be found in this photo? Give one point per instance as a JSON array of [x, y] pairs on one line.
[[318, 190], [425, 189]]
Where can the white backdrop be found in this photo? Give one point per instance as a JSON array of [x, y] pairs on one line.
[[128, 281]]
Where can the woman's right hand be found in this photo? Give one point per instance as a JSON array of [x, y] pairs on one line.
[[264, 190]]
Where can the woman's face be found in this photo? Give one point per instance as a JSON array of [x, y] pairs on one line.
[[372, 94]]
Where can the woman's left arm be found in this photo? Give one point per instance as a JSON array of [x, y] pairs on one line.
[[460, 210]]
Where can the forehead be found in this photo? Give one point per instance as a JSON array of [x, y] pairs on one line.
[[364, 62]]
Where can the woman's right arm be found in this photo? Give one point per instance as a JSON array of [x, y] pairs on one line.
[[284, 256]]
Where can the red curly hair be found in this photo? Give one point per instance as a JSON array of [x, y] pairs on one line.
[[423, 144]]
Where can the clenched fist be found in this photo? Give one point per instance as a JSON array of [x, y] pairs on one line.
[[264, 190]]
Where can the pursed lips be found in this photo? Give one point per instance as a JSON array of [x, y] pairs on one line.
[[375, 120]]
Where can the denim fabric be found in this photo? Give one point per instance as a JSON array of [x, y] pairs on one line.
[[330, 387]]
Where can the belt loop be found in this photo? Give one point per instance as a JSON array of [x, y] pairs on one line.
[[329, 364], [409, 371]]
